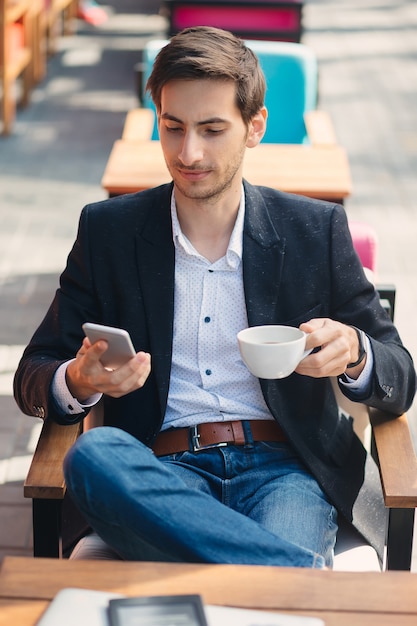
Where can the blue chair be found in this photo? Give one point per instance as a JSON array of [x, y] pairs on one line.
[[291, 74], [149, 53]]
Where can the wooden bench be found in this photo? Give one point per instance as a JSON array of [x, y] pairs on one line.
[[60, 16], [138, 125], [15, 56]]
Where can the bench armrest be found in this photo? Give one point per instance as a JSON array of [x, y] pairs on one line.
[[138, 125], [397, 459], [45, 479], [319, 128]]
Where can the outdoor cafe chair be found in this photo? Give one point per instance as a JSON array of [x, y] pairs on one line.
[[389, 440]]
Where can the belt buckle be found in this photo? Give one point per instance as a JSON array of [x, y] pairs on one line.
[[195, 441]]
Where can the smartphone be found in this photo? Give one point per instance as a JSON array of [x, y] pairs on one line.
[[181, 610], [120, 348]]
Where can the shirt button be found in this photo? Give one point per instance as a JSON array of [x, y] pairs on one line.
[[208, 372], [207, 319]]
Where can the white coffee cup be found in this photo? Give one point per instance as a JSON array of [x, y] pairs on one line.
[[272, 351]]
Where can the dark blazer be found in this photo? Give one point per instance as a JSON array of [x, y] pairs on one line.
[[298, 264]]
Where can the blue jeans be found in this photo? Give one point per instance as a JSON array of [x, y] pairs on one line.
[[254, 504]]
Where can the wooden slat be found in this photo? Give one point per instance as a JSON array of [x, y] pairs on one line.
[[45, 478], [138, 125], [15, 67], [397, 459], [320, 129], [15, 9]]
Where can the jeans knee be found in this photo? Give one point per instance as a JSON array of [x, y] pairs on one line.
[[89, 447]]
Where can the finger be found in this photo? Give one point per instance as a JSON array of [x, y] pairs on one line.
[[331, 360], [322, 332], [94, 352], [330, 368], [313, 324], [87, 343], [314, 338], [128, 377]]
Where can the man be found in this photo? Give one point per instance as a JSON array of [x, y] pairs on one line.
[[208, 463]]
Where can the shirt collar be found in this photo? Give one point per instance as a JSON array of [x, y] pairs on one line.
[[234, 252]]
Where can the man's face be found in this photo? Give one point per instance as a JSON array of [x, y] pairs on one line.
[[203, 137]]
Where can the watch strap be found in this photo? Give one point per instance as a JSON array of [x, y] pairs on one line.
[[362, 348]]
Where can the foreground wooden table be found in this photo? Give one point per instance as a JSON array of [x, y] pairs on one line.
[[316, 171], [340, 599]]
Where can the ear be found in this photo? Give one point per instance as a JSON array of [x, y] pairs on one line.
[[256, 128]]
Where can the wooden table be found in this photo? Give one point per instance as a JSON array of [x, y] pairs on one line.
[[340, 599], [316, 171]]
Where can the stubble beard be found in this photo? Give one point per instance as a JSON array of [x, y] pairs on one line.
[[197, 191]]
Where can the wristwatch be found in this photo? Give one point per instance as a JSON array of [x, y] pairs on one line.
[[362, 348]]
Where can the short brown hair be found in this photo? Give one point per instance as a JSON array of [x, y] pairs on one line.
[[205, 52]]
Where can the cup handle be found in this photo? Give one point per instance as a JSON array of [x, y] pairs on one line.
[[306, 353]]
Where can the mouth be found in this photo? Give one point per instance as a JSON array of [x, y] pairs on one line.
[[193, 175]]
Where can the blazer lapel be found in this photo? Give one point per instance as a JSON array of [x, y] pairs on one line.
[[156, 268], [263, 259]]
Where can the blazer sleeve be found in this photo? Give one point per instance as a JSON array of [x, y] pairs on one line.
[[59, 336], [356, 302]]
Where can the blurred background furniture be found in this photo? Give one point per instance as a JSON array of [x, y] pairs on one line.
[[39, 40], [28, 33], [60, 16], [365, 242], [249, 19], [15, 57], [317, 171]]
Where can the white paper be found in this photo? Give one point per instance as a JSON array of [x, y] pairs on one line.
[[78, 607]]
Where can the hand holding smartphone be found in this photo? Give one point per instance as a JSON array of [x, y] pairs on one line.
[[120, 348]]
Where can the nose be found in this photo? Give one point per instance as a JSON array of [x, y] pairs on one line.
[[191, 150]]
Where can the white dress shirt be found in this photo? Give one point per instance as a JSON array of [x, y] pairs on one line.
[[209, 381]]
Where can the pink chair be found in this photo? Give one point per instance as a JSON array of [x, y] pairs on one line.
[[260, 19], [365, 241]]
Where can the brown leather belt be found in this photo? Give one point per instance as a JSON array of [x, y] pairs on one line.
[[216, 434]]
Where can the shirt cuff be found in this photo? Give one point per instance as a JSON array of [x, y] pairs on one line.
[[363, 381], [63, 397]]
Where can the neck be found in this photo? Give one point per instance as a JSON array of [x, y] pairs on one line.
[[208, 225]]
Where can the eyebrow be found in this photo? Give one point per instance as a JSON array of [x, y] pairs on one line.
[[211, 120]]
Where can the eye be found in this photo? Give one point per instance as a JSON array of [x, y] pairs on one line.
[[173, 129], [214, 131]]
